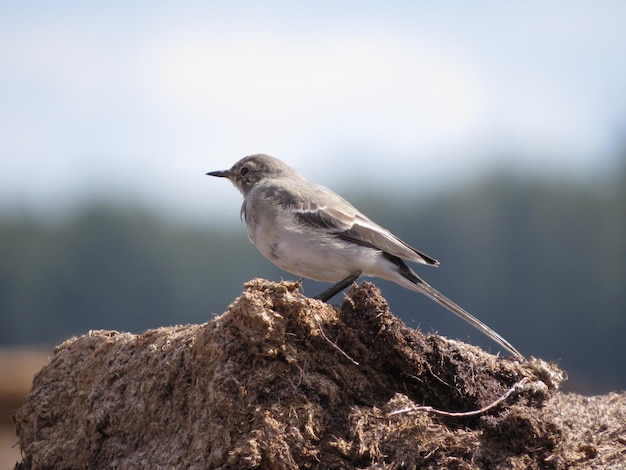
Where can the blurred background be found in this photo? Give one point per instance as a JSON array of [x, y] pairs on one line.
[[490, 136]]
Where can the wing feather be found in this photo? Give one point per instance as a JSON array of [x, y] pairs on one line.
[[339, 217]]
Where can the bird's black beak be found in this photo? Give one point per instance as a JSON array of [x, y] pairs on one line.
[[221, 174]]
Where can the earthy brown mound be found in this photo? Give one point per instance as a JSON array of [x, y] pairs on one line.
[[261, 386]]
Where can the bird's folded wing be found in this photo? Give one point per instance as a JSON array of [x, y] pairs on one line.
[[344, 221]]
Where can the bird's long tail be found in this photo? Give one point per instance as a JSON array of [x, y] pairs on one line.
[[441, 299], [407, 278]]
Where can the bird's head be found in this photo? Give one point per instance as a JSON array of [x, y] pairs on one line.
[[253, 169]]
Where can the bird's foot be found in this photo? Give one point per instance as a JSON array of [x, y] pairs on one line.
[[333, 290]]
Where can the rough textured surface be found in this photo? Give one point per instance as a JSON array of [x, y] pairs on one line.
[[261, 386]]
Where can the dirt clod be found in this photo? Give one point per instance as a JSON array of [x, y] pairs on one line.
[[261, 386]]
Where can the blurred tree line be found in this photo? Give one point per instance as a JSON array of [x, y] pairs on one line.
[[542, 262]]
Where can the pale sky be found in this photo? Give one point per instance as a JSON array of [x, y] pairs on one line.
[[135, 101]]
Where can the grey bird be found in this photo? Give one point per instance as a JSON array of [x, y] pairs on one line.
[[308, 230]]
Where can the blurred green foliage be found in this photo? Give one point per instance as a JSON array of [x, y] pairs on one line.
[[543, 263]]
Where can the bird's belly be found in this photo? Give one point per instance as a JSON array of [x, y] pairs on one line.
[[312, 256]]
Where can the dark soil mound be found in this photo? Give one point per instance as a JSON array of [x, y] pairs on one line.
[[284, 381]]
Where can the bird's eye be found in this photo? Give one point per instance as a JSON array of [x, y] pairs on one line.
[[244, 171]]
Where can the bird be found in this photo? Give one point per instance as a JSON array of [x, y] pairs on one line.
[[312, 232]]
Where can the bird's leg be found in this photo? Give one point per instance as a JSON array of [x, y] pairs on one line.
[[333, 290]]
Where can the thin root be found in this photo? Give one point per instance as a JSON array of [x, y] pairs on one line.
[[333, 344], [430, 409]]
